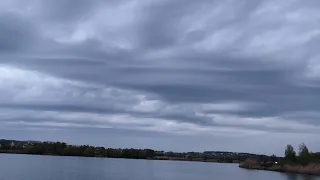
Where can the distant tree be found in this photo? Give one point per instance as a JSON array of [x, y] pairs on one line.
[[315, 157], [304, 154], [290, 153], [88, 151], [149, 153], [303, 150]]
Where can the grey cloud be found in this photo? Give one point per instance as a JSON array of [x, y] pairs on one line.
[[16, 33], [60, 108], [70, 11], [182, 54]]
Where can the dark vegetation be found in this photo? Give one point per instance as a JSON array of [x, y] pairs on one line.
[[304, 162], [63, 149]]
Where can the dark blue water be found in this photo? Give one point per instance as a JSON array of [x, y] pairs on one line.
[[25, 167]]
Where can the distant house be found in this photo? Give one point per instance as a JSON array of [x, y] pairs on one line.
[[25, 145], [12, 145], [209, 153]]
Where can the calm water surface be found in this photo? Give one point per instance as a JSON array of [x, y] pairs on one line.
[[25, 167]]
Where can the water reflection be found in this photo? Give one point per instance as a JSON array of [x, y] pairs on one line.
[[21, 167], [291, 176], [306, 177]]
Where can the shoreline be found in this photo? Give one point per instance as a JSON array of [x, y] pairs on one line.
[[154, 158], [311, 169], [64, 149]]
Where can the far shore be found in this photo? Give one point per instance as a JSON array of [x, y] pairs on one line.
[[64, 149], [160, 158]]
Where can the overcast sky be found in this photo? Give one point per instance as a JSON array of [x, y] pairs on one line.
[[181, 75]]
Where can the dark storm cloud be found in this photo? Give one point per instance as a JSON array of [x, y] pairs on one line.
[[203, 67]]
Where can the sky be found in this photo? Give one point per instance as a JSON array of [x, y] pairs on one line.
[[174, 75]]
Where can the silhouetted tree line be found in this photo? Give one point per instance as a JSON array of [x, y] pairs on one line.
[[63, 149], [303, 157]]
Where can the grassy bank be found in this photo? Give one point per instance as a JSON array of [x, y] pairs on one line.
[[310, 169]]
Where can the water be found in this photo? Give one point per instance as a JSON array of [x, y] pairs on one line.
[[25, 167]]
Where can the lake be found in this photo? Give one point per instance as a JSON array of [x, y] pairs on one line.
[[28, 167]]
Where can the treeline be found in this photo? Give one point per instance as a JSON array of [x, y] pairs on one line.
[[63, 149], [303, 157], [303, 162]]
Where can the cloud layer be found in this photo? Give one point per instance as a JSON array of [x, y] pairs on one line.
[[230, 70]]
